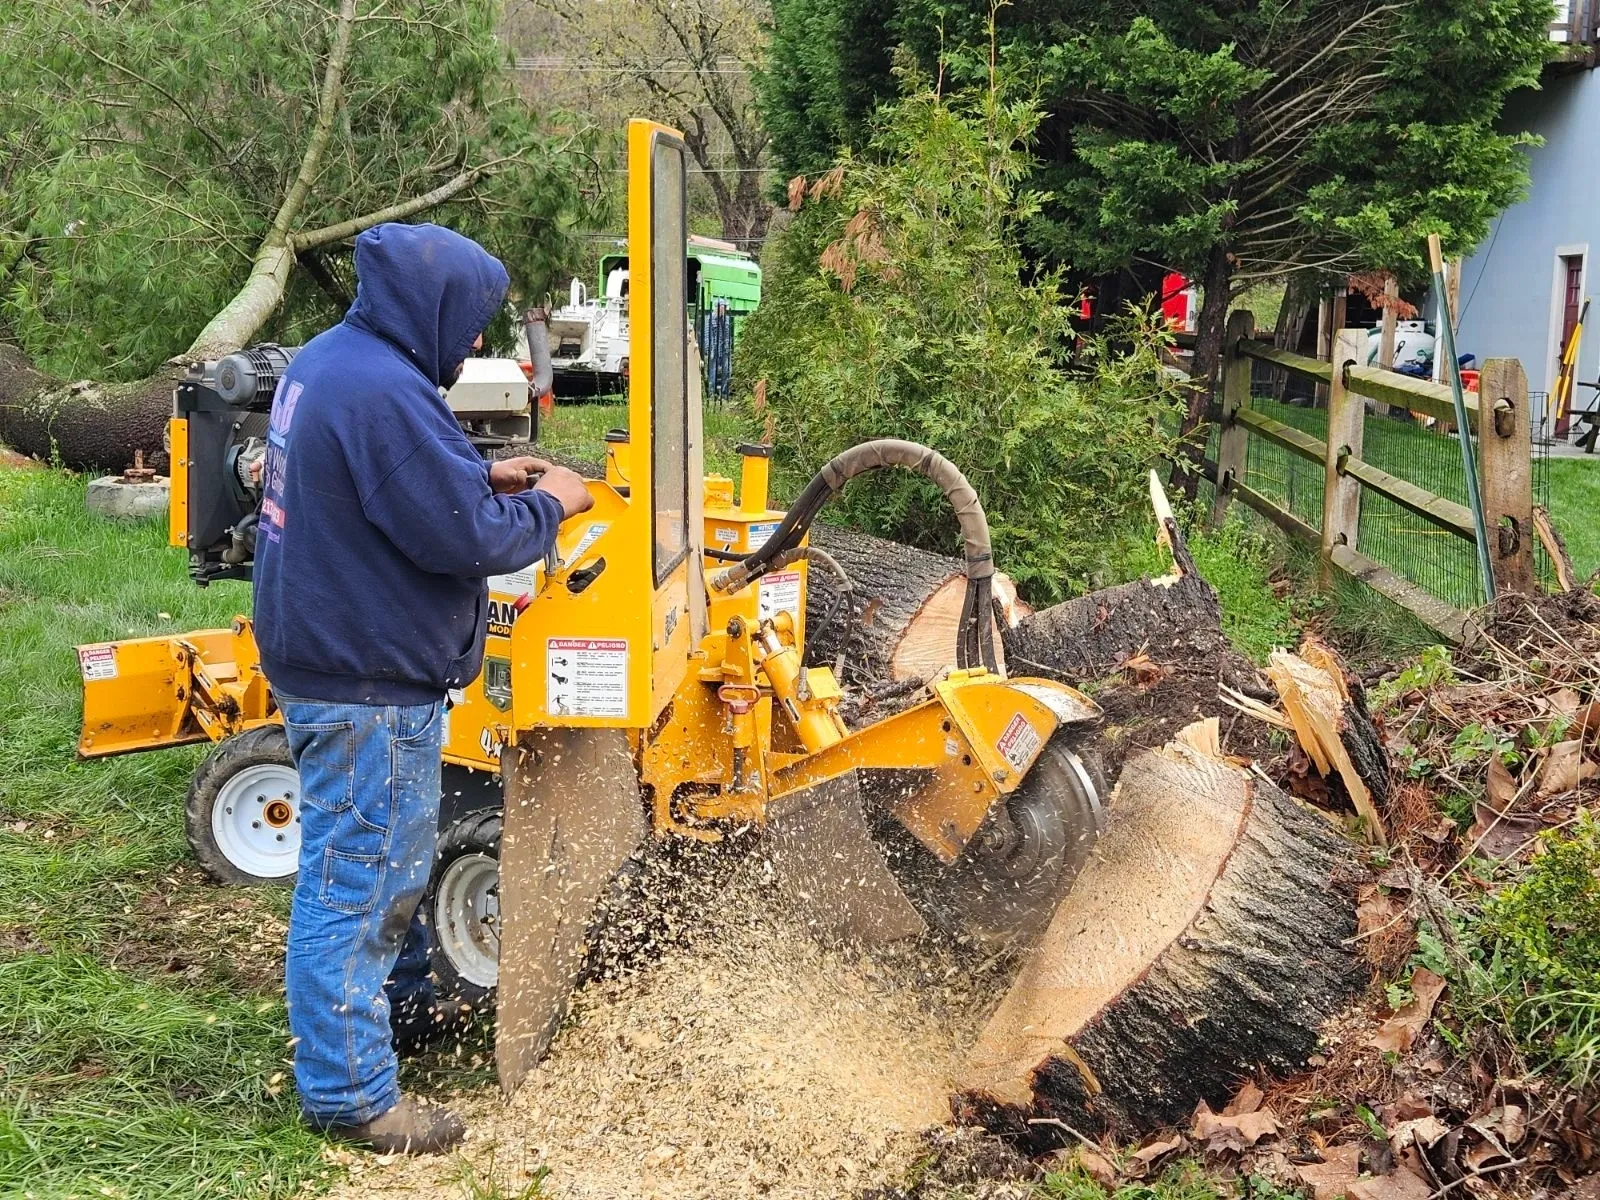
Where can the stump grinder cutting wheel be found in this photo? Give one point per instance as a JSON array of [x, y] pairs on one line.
[[647, 679]]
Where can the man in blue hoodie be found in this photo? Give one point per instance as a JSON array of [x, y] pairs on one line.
[[380, 525]]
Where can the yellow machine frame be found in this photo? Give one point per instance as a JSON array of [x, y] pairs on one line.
[[629, 629]]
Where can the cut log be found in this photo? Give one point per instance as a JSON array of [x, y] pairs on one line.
[[1206, 941], [1165, 635], [907, 608], [1091, 636]]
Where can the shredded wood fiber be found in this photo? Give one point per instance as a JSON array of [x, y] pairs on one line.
[[749, 1062]]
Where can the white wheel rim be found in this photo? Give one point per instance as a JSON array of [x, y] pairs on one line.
[[256, 820], [466, 914]]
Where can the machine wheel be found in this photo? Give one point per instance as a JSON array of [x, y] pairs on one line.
[[463, 910], [1017, 867], [463, 907], [243, 812]]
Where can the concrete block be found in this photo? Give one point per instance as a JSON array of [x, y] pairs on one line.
[[111, 496]]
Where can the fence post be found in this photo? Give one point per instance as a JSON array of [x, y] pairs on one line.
[[1233, 439], [1341, 494], [1391, 322], [1505, 465]]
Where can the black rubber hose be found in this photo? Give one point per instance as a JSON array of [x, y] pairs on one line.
[[975, 636]]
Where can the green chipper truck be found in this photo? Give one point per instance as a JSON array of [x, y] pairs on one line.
[[589, 334]]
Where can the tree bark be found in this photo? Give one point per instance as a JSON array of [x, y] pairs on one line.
[[84, 423], [904, 613], [1207, 941], [1210, 327]]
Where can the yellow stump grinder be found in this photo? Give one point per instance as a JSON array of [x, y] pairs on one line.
[[647, 680]]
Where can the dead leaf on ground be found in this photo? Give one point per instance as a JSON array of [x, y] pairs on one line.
[[1142, 1159], [1399, 1184], [1502, 787], [1143, 671], [1096, 1166], [1563, 768], [1247, 1100], [1420, 1131], [1564, 700], [1231, 1131], [1586, 720], [1375, 910], [1401, 1030], [1331, 1179], [1500, 835], [1409, 1107], [1507, 1124]]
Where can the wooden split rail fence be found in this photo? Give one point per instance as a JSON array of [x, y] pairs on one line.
[[1505, 463]]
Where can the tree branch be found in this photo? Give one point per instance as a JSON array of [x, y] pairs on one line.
[[176, 103], [313, 238], [322, 131]]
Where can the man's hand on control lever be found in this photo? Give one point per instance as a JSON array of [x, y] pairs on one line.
[[567, 486]]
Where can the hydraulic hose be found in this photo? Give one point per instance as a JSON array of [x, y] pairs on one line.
[[975, 633]]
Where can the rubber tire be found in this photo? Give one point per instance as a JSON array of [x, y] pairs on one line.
[[610, 938], [265, 744], [475, 833], [971, 899]]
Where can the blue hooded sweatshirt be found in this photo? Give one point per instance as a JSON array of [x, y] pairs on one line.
[[378, 526]]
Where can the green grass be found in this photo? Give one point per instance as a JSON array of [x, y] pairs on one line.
[[1575, 508], [1184, 1179], [114, 1081]]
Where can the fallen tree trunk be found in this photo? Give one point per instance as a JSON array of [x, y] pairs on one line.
[[1206, 941], [905, 609], [88, 424], [84, 423]]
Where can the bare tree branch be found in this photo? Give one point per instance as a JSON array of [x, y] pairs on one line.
[[313, 238]]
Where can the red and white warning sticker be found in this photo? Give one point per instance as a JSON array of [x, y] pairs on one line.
[[97, 662], [1019, 743], [780, 592], [586, 677]]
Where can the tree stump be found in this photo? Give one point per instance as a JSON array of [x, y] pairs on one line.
[[907, 607], [1207, 940]]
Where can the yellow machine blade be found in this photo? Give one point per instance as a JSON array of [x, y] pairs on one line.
[[831, 871], [573, 815]]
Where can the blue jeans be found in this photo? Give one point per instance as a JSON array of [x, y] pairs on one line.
[[369, 816]]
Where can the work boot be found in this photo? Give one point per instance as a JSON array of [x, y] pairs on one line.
[[417, 1022], [410, 1127]]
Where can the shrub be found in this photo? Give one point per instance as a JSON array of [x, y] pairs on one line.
[[1543, 938], [1525, 964], [897, 304]]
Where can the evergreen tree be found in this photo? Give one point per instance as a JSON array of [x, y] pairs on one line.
[[1233, 141], [178, 177]]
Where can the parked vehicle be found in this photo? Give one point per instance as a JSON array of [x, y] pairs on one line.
[[589, 334]]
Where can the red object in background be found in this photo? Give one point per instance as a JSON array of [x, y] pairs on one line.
[[1086, 304], [1175, 300], [546, 402], [1469, 381]]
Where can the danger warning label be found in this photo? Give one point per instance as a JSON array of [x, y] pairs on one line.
[[97, 662], [586, 677], [1019, 743], [780, 592]]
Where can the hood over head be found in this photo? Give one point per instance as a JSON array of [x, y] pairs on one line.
[[428, 290]]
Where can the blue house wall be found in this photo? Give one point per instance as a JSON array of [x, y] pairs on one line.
[[1511, 301]]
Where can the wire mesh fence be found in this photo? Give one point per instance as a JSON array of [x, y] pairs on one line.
[[1411, 447]]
